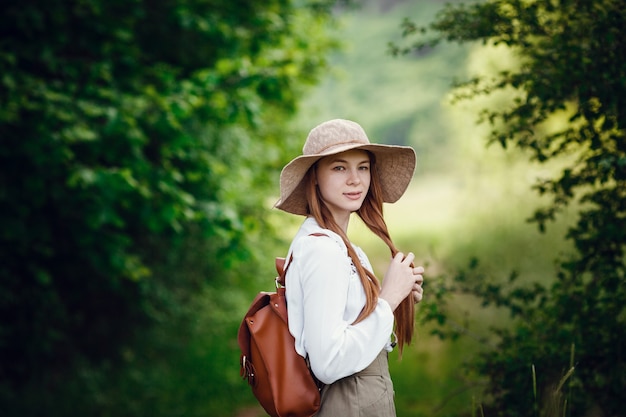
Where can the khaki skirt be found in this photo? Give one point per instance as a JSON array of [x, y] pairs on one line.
[[368, 393]]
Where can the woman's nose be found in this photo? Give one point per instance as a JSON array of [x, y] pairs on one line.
[[354, 178]]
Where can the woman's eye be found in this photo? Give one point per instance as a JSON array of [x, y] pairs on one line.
[[338, 168], [364, 167]]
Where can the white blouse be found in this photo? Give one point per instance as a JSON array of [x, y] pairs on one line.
[[324, 297]]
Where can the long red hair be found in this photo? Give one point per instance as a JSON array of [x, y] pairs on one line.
[[371, 212]]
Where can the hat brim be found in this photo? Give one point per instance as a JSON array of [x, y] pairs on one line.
[[395, 165]]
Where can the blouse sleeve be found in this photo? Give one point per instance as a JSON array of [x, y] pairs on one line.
[[336, 347]]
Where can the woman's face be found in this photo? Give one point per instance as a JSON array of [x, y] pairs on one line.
[[344, 180]]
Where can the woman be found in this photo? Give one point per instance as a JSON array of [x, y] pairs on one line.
[[341, 317]]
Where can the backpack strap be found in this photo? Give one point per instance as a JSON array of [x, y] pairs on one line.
[[281, 270]]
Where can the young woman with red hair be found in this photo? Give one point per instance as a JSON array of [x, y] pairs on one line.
[[342, 318]]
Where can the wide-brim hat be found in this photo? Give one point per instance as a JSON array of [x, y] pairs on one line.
[[395, 164]]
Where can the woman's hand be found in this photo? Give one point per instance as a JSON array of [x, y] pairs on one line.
[[401, 279], [418, 291]]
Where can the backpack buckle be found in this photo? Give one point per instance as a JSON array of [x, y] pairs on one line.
[[278, 283]]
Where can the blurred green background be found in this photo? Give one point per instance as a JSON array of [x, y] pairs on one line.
[[142, 146]]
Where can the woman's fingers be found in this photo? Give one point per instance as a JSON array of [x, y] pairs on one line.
[[418, 291], [408, 260], [402, 279]]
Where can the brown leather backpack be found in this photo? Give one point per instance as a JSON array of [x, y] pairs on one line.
[[280, 378]]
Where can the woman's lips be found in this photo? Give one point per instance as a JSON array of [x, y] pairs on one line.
[[354, 195]]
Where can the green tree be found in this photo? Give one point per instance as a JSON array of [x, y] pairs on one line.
[[131, 176], [572, 61]]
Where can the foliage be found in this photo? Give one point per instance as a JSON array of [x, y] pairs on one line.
[[572, 61], [132, 178]]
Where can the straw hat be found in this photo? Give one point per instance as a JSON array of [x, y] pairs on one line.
[[395, 164]]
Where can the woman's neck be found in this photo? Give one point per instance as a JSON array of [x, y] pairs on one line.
[[343, 223]]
